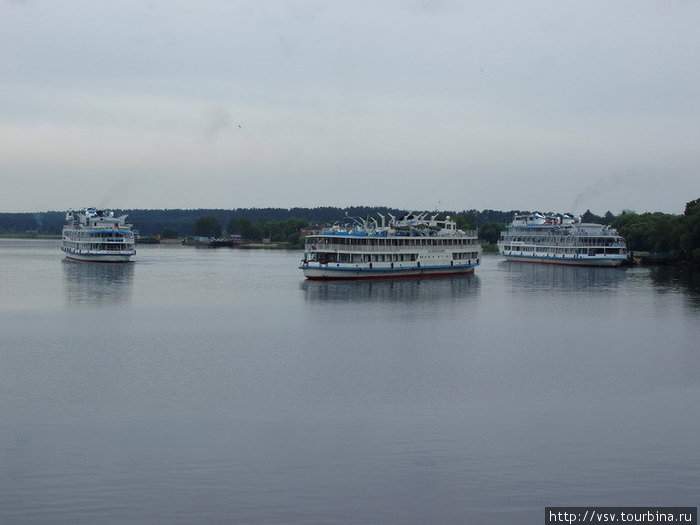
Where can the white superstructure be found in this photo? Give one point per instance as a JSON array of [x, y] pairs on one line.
[[97, 236], [413, 245], [561, 239]]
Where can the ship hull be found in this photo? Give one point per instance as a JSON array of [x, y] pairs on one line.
[[337, 273], [100, 258], [567, 261]]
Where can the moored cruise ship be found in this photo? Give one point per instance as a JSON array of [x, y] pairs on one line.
[[97, 236], [411, 246], [561, 239]]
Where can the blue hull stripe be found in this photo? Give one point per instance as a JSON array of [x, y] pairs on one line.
[[387, 269], [581, 258]]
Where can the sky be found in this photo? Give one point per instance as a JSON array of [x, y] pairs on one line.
[[414, 104]]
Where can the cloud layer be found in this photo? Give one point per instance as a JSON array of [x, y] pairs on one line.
[[543, 105]]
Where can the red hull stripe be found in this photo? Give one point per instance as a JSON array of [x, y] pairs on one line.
[[98, 261], [396, 276]]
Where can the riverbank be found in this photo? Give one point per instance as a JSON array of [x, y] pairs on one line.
[[29, 236]]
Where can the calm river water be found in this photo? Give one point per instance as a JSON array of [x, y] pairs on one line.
[[217, 386]]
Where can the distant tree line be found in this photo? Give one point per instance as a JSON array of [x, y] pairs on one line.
[[675, 235], [48, 222], [154, 222], [678, 236]]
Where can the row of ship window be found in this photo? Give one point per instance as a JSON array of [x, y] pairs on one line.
[[590, 251], [583, 241], [96, 235], [100, 246], [380, 257], [564, 231], [394, 242]]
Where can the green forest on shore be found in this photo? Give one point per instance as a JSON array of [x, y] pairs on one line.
[[676, 237]]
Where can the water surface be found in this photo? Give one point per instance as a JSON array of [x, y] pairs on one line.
[[218, 386]]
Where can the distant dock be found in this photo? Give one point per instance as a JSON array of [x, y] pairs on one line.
[[208, 242]]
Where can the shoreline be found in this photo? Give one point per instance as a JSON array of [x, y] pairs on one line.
[[640, 258], [44, 236]]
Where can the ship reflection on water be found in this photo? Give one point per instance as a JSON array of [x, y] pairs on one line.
[[405, 291], [97, 284], [551, 278]]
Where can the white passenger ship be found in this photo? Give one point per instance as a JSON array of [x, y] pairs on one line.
[[406, 247], [97, 236], [561, 239]]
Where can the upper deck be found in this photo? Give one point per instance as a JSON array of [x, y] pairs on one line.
[[96, 220], [409, 226], [565, 225]]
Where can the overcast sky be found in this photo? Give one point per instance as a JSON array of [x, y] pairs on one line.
[[415, 104]]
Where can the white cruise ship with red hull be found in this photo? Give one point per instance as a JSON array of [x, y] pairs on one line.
[[561, 239], [94, 235], [412, 246]]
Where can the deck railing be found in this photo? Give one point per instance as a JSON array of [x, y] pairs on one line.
[[350, 248]]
